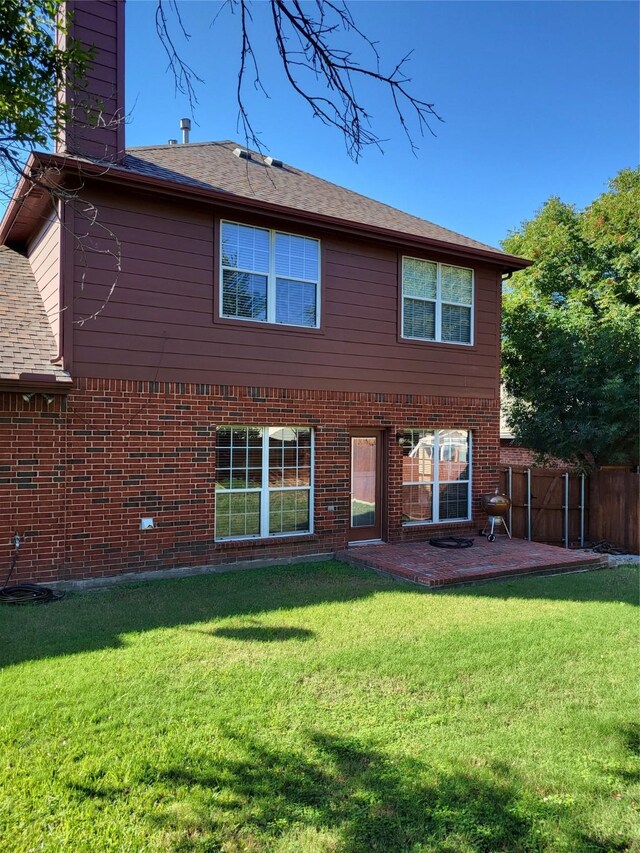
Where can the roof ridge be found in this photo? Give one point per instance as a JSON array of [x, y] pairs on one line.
[[179, 145], [341, 187], [394, 209]]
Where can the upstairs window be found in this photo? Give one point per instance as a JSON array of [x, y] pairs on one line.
[[437, 302], [269, 276]]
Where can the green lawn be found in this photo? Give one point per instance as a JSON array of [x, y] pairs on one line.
[[322, 708]]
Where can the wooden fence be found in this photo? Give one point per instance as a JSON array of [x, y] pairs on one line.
[[564, 508], [615, 513]]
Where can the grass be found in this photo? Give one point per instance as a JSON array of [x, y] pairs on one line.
[[322, 708]]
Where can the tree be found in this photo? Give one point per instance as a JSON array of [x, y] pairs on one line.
[[33, 69], [571, 328], [322, 73]]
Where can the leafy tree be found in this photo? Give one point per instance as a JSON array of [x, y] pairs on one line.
[[33, 69], [571, 328]]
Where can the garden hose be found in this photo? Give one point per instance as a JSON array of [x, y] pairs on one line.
[[25, 593], [451, 542]]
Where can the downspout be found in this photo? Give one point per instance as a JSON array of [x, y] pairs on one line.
[[61, 290], [65, 483]]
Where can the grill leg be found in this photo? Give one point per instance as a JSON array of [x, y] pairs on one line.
[[506, 527]]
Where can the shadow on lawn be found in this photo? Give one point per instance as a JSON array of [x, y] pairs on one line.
[[262, 634], [96, 620], [341, 796]]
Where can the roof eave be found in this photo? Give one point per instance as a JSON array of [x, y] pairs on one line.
[[118, 174], [34, 383], [24, 198]]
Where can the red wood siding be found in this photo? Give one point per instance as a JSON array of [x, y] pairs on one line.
[[99, 23], [159, 321], [44, 257]]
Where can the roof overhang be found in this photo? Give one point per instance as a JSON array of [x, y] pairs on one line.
[[28, 204], [27, 383]]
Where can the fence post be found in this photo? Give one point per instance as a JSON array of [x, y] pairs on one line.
[[566, 510], [582, 510], [529, 504], [510, 495]]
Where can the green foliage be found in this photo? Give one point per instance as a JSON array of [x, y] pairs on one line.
[[33, 70], [571, 328]]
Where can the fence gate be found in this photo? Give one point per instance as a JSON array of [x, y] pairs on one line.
[[547, 505]]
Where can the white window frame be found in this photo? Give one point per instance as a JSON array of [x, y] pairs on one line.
[[271, 277], [436, 482], [439, 302], [265, 490]]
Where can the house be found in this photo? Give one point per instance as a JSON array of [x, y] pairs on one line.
[[209, 357]]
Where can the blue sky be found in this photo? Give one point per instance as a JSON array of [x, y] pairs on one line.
[[538, 98]]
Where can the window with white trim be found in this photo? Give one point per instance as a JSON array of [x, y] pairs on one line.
[[436, 476], [269, 276], [437, 302], [263, 481]]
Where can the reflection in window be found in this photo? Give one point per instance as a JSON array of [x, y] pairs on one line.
[[269, 276], [437, 301], [436, 476], [263, 481], [363, 481]]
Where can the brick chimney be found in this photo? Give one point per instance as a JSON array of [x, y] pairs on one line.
[[96, 126]]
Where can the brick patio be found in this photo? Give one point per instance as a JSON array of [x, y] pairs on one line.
[[430, 566]]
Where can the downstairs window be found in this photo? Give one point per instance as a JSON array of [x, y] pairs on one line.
[[263, 481], [436, 476]]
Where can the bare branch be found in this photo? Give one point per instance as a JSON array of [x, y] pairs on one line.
[[338, 70], [185, 78], [305, 39]]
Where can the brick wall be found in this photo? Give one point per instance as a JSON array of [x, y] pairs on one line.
[[513, 455], [77, 475]]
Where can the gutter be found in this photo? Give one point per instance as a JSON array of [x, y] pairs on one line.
[[34, 382], [115, 174]]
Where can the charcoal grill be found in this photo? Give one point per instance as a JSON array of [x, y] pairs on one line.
[[497, 507]]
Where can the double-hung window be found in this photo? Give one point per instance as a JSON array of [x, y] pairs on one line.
[[269, 276], [436, 476], [263, 481], [437, 302]]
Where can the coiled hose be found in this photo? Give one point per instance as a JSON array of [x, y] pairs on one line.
[[25, 593]]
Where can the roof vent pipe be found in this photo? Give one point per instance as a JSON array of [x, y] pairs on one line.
[[172, 142], [185, 127]]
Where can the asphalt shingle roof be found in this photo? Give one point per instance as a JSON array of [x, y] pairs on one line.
[[213, 166], [27, 344]]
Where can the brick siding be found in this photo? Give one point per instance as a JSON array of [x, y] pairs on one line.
[[514, 456], [77, 475]]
